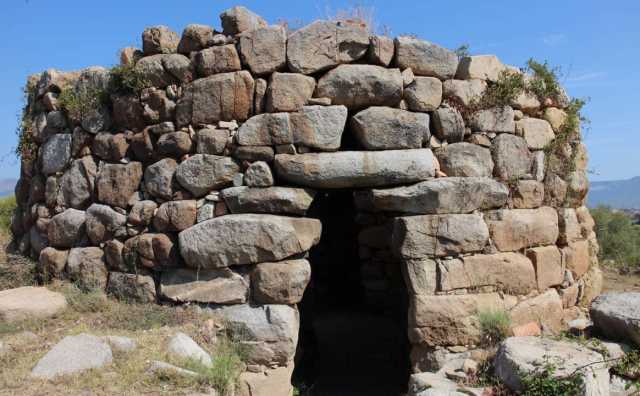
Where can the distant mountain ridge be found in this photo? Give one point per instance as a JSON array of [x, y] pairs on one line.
[[620, 194]]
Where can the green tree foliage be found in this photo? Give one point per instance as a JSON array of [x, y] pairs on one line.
[[618, 237]]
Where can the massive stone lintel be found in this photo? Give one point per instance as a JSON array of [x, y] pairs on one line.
[[247, 239], [437, 196], [356, 169]]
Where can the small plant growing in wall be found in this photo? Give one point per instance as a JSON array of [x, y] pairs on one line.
[[495, 326], [126, 79], [80, 102], [26, 148]]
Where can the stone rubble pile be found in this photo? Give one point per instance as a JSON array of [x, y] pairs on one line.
[[196, 188]]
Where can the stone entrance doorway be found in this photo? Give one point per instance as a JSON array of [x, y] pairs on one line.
[[353, 338]]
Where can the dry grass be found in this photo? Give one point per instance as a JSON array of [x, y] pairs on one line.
[[150, 325]]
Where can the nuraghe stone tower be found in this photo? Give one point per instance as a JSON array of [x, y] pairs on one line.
[[205, 167]]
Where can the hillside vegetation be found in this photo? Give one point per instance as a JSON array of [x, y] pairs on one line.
[[619, 239]]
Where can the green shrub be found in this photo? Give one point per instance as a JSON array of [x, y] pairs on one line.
[[495, 326], [81, 102], [462, 51], [543, 382], [618, 237], [544, 83], [126, 79], [26, 148]]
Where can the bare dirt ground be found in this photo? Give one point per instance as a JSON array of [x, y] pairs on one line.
[[614, 281]]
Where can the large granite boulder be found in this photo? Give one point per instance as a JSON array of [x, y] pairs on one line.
[[465, 159], [437, 196], [451, 319], [515, 229], [221, 97], [386, 128], [132, 287], [56, 153], [104, 223], [439, 235], [159, 40], [359, 86], [202, 173], [273, 200], [67, 228], [217, 59], [289, 91], [423, 94], [175, 215], [86, 267], [116, 183], [264, 49], [617, 316], [254, 238], [425, 58], [507, 272], [159, 178], [195, 37], [511, 156], [324, 44], [519, 356], [280, 283], [239, 19], [480, 67], [76, 186], [354, 169]]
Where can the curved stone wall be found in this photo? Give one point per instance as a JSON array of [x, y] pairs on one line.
[[195, 188]]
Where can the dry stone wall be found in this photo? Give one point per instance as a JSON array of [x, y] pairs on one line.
[[195, 187]]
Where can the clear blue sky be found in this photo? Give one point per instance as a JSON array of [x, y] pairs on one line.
[[595, 42]]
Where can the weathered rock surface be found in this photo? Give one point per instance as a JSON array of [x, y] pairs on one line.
[[86, 266], [464, 91], [159, 40], [159, 178], [239, 19], [181, 346], [324, 44], [450, 320], [319, 127], [217, 59], [73, 354], [576, 258], [116, 183], [194, 38], [437, 196], [221, 97], [30, 302], [258, 174], [76, 189], [289, 91], [264, 49], [257, 238], [515, 229], [448, 124], [509, 272], [212, 286], [270, 330], [480, 67], [67, 228], [103, 223], [537, 133], [175, 215], [353, 169], [424, 94], [544, 309], [132, 287], [56, 153], [497, 119], [202, 173], [518, 356], [425, 58], [359, 86], [280, 283], [439, 235], [385, 128], [615, 315], [511, 156], [547, 261], [465, 159], [274, 200]]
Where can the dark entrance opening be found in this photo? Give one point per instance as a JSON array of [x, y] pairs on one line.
[[353, 334]]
